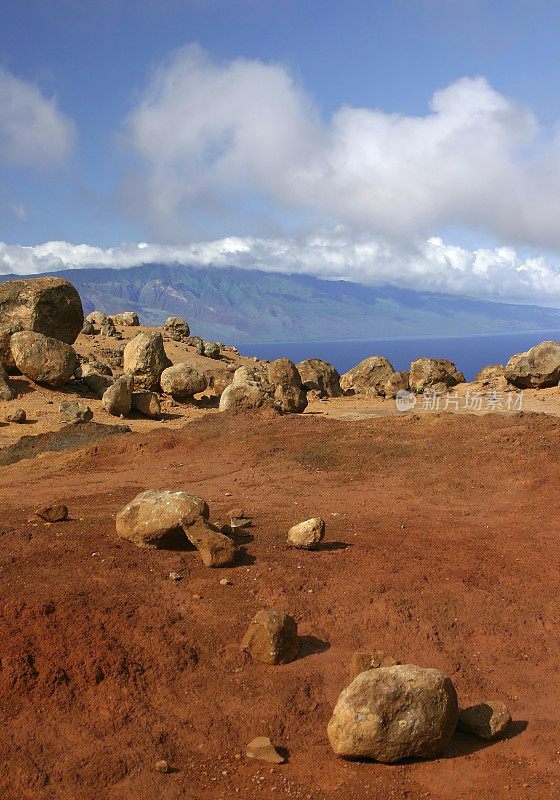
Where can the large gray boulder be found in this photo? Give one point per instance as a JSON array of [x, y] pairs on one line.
[[319, 376], [157, 518], [391, 713], [50, 306], [287, 387], [242, 396], [43, 359], [537, 368], [145, 358], [426, 372], [182, 381], [368, 377]]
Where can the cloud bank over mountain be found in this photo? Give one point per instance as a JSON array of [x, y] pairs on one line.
[[430, 265]]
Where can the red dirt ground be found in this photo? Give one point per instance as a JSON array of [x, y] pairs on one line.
[[442, 549]]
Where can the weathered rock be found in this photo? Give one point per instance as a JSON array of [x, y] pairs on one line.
[[88, 328], [216, 550], [538, 368], [117, 399], [262, 748], [129, 318], [368, 377], [99, 318], [362, 661], [485, 720], [391, 713], [211, 350], [6, 355], [147, 403], [55, 513], [182, 381], [177, 325], [161, 766], [97, 383], [306, 535], [319, 376], [6, 391], [395, 383], [72, 411], [252, 372], [144, 357], [17, 415], [43, 359], [242, 396], [109, 329], [50, 306], [193, 341], [219, 383], [93, 367], [288, 390], [490, 373], [271, 637], [155, 518], [428, 372]]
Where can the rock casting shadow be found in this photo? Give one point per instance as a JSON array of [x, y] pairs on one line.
[[464, 744], [333, 546], [309, 645]]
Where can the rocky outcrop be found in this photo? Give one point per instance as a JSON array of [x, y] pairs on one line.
[[306, 535], [182, 381], [155, 519], [485, 720], [117, 398], [128, 318], [286, 382], [428, 372], [397, 382], [145, 359], [391, 713], [319, 376], [43, 359], [271, 638], [242, 396], [368, 377], [537, 368], [50, 306]]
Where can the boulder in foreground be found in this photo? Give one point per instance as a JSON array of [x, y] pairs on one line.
[[319, 376], [50, 306], [286, 382], [368, 377], [427, 372], [43, 359], [538, 368], [485, 720], [272, 637], [145, 359], [306, 535], [244, 396], [155, 518], [393, 713]]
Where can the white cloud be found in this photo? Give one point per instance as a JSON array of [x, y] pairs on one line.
[[211, 133], [430, 265], [34, 132]]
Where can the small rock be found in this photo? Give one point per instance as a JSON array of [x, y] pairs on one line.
[[57, 513], [177, 326], [211, 350], [485, 720], [262, 748], [72, 411], [117, 399], [215, 549], [129, 318], [272, 637], [361, 662], [225, 582], [307, 535], [174, 576], [236, 512], [239, 523], [87, 328], [161, 766], [17, 415]]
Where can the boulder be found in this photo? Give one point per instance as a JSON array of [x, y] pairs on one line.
[[100, 319], [490, 373], [117, 398], [50, 306], [43, 359], [319, 376], [129, 318], [182, 381], [242, 396], [93, 367], [362, 661], [428, 372], [286, 382], [156, 518], [146, 403], [6, 391], [211, 349], [368, 377], [215, 549], [391, 713], [73, 412], [193, 341], [537, 368], [97, 382], [485, 720], [87, 328], [219, 383], [6, 355], [397, 382], [177, 325], [252, 372], [271, 638], [17, 415], [306, 535], [144, 357]]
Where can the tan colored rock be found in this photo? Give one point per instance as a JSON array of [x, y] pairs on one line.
[[128, 318], [428, 372], [395, 383], [16, 415], [271, 637], [319, 376], [262, 748], [362, 661], [286, 382], [242, 396], [6, 355], [177, 325], [251, 372], [72, 411], [485, 720], [100, 319], [50, 306], [306, 535], [219, 383], [391, 713], [55, 513], [538, 368], [43, 359], [147, 403], [6, 391], [216, 550], [182, 381], [161, 766], [117, 398], [368, 377], [96, 382], [155, 518], [145, 359]]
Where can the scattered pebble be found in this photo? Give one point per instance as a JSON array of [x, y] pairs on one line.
[[175, 576], [161, 766], [262, 748], [225, 582]]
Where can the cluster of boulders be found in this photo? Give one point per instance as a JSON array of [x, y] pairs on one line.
[[375, 376]]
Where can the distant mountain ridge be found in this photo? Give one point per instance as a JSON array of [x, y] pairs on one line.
[[235, 305]]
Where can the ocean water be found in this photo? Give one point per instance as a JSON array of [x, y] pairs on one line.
[[470, 353]]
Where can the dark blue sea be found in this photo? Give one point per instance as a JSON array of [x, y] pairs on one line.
[[470, 353]]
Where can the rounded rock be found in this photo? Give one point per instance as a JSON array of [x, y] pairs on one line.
[[271, 637], [154, 517], [43, 359], [182, 381], [307, 535]]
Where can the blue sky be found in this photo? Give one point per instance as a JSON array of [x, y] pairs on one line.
[[113, 80]]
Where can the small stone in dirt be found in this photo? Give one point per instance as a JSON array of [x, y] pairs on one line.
[[56, 513], [215, 549], [17, 415], [225, 582], [306, 535], [262, 748], [240, 522], [161, 766], [174, 576], [485, 720], [236, 512], [73, 411], [272, 637], [374, 659]]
